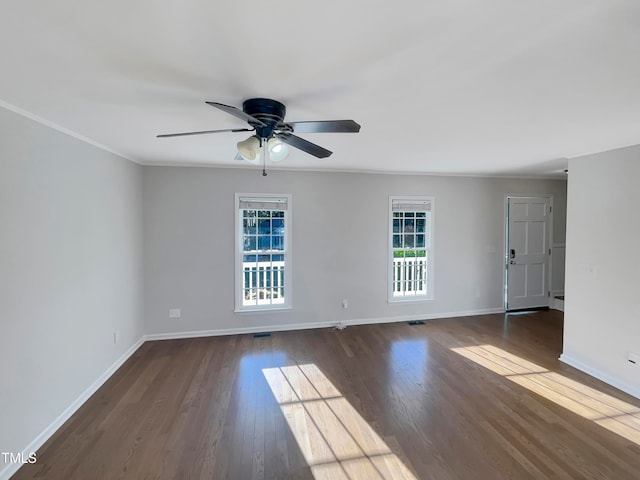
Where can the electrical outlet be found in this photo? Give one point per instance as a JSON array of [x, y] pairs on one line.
[[174, 313], [345, 303]]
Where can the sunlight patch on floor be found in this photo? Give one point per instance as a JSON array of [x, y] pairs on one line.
[[336, 442], [607, 411]]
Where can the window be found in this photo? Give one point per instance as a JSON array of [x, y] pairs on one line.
[[410, 248], [263, 266]]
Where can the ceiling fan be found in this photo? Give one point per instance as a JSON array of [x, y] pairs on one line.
[[266, 119]]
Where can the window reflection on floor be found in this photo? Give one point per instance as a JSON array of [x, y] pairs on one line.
[[607, 411], [336, 442], [409, 357]]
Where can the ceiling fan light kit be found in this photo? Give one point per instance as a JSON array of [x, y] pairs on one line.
[[273, 135], [278, 150], [249, 149]]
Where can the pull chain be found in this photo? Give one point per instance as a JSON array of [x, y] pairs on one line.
[[264, 157]]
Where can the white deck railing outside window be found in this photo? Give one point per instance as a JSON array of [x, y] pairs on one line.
[[409, 276], [263, 283]]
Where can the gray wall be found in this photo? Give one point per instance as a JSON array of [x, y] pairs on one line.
[[339, 244], [70, 272], [602, 313]]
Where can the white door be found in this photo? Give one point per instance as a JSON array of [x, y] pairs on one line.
[[528, 252]]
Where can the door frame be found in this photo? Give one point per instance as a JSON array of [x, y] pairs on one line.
[[505, 239]]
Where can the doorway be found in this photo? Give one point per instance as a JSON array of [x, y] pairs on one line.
[[527, 251]]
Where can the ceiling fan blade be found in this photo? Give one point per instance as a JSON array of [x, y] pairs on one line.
[[204, 132], [346, 126], [304, 145], [236, 112]]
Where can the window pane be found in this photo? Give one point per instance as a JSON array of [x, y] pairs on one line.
[[277, 214], [408, 225], [397, 241], [248, 258], [277, 226], [264, 214], [420, 225], [396, 225], [264, 242], [249, 243], [249, 213], [249, 226], [408, 241], [277, 242], [264, 226], [420, 240], [277, 258], [421, 214]]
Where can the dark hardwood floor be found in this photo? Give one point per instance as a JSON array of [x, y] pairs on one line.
[[465, 398]]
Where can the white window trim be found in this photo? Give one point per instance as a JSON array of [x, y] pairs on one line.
[[429, 297], [239, 244]]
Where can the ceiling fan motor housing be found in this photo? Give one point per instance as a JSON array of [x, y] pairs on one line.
[[270, 112]]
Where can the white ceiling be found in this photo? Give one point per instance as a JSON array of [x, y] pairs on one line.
[[489, 87]]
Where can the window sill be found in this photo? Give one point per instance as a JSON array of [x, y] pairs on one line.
[[262, 309], [410, 300]]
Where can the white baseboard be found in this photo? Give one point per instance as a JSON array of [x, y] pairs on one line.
[[600, 375], [306, 326], [11, 468], [237, 331], [557, 304], [430, 316]]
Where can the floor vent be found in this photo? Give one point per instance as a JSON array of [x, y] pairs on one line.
[[416, 322], [261, 335]]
